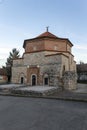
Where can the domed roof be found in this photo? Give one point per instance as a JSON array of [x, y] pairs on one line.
[[47, 35]]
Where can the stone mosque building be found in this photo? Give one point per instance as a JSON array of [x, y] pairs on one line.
[[47, 60]]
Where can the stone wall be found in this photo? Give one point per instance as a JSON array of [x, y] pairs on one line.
[[53, 72], [71, 62], [34, 58], [69, 80], [17, 73], [41, 59], [18, 62], [47, 65], [52, 65]]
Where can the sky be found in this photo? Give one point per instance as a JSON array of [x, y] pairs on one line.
[[25, 19]]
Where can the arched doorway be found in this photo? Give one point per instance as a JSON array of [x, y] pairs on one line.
[[34, 80], [46, 80], [22, 80]]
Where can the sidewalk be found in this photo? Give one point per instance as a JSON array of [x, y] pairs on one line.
[[79, 94], [82, 88], [69, 95]]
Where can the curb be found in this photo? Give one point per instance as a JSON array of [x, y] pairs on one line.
[[46, 97]]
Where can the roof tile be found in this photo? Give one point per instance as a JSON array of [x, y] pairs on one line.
[[47, 34]]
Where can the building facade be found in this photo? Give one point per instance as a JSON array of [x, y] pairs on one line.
[[3, 76], [44, 62], [82, 72]]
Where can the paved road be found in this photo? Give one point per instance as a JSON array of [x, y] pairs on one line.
[[19, 113]]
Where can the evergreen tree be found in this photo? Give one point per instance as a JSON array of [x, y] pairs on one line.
[[12, 55]]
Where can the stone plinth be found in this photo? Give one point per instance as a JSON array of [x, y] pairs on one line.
[[69, 80]]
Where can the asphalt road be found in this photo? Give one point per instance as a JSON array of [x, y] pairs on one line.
[[19, 113]]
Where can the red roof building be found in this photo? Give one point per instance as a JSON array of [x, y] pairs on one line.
[[43, 55]]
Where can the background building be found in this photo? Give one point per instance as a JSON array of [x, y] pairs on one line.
[[3, 76], [82, 72]]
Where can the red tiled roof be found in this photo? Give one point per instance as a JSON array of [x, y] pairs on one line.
[[47, 34]]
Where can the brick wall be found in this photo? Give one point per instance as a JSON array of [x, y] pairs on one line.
[[33, 46], [46, 44]]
